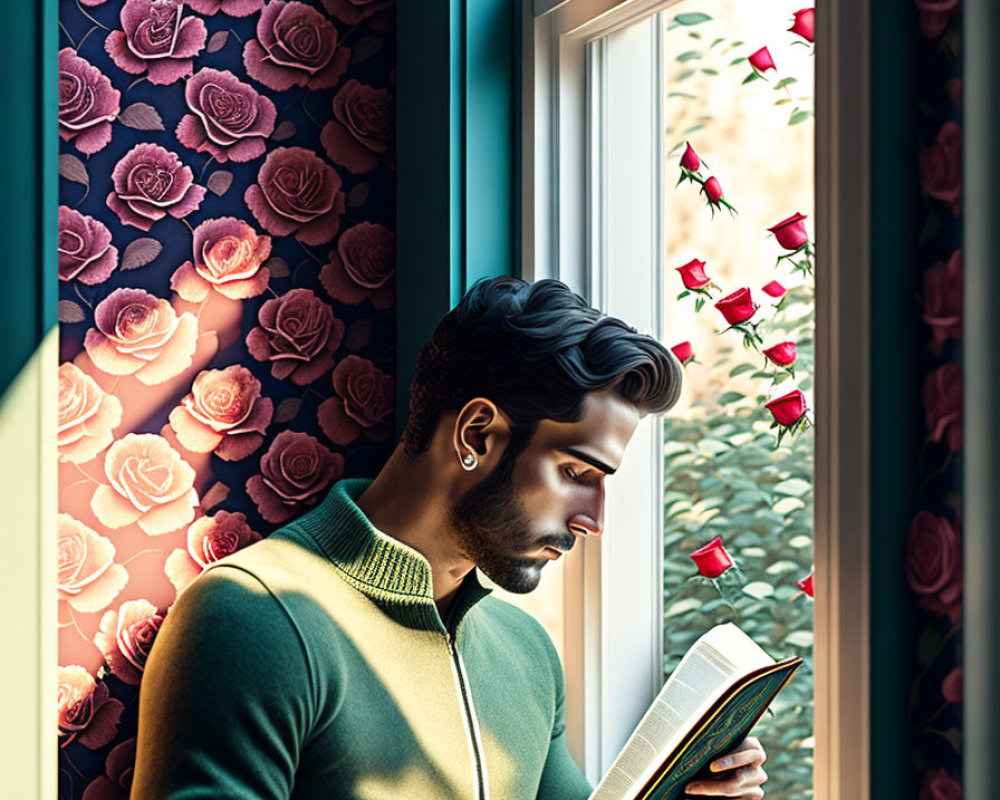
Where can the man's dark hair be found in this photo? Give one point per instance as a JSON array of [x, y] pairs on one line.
[[534, 349]]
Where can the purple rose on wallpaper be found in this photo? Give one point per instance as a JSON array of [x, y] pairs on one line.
[[156, 38], [939, 785], [933, 565], [87, 712], [87, 103], [151, 182], [951, 686], [362, 128], [85, 250], [116, 783], [364, 402], [934, 16], [362, 265], [228, 257], [940, 165], [230, 120], [126, 637], [942, 399], [352, 12], [297, 193], [943, 300], [295, 46], [232, 8], [293, 472], [298, 334]]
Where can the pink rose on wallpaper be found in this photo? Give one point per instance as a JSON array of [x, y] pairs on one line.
[[88, 577], [364, 402], [208, 540], [942, 399], [943, 300], [126, 637], [295, 46], [151, 182], [362, 265], [933, 565], [230, 118], [951, 686], [232, 8], [150, 484], [87, 415], [939, 785], [294, 471], [139, 334], [228, 255], [87, 712], [116, 783], [87, 103], [297, 193], [362, 128], [157, 37], [352, 12], [298, 334], [934, 15], [85, 250], [223, 412], [940, 165]]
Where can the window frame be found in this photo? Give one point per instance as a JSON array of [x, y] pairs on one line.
[[556, 180]]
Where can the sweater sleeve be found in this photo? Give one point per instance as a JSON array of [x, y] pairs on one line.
[[227, 699]]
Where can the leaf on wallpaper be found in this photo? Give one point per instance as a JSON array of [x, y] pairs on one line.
[[358, 195], [217, 42], [365, 48], [73, 169], [218, 182], [68, 311], [357, 335], [214, 496], [278, 267], [140, 252], [287, 409], [142, 117], [285, 130]]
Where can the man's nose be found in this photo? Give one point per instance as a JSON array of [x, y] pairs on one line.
[[585, 525]]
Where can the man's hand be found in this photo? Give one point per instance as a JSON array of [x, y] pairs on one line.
[[742, 776]]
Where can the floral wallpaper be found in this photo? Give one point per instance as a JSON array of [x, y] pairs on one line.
[[933, 560], [227, 327]]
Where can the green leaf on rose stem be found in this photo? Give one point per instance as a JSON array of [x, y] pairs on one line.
[[688, 55], [753, 76], [739, 369], [709, 71], [782, 101], [954, 737], [720, 40], [689, 19], [785, 82], [799, 116], [683, 294], [694, 34], [736, 61], [699, 304], [730, 397], [685, 75]]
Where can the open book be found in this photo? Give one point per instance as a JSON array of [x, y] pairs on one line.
[[708, 706]]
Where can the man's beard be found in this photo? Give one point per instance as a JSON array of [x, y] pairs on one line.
[[494, 531]]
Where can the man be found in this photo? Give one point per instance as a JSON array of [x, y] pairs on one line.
[[353, 653]]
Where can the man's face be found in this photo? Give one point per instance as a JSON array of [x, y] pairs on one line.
[[530, 509]]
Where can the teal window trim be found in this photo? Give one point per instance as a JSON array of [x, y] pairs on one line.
[[457, 142]]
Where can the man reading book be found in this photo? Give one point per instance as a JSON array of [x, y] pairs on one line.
[[353, 653]]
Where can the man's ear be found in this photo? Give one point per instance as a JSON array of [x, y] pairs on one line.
[[482, 429]]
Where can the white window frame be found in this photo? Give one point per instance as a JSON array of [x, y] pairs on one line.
[[613, 588]]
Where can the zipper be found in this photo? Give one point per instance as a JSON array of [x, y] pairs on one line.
[[471, 723]]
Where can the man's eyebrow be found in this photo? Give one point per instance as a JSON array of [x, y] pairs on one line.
[[594, 462]]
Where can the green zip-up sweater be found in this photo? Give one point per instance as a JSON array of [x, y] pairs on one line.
[[314, 664]]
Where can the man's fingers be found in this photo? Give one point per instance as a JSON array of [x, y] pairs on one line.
[[743, 783]]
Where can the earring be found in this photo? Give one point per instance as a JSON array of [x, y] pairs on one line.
[[470, 462]]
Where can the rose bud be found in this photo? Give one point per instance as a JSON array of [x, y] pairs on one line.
[[713, 189], [683, 351], [712, 559], [791, 233], [951, 686], [774, 289], [761, 60], [693, 274], [806, 584], [787, 409], [737, 307], [782, 354], [690, 159], [805, 24]]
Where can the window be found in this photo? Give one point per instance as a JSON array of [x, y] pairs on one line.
[[597, 178]]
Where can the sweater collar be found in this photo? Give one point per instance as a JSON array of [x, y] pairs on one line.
[[391, 573]]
